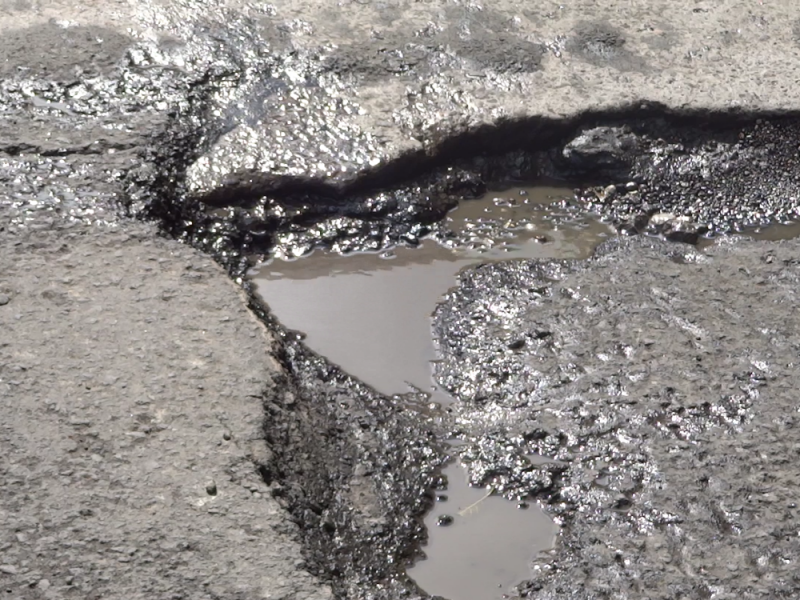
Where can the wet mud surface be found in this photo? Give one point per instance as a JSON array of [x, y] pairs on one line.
[[660, 380]]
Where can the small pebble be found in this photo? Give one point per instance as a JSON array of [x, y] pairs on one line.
[[4, 299], [226, 436], [444, 520], [8, 569], [211, 488], [441, 497], [516, 345]]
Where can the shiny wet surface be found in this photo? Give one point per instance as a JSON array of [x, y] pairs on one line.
[[774, 232], [370, 313]]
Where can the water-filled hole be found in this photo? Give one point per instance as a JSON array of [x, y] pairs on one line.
[[479, 545], [371, 315]]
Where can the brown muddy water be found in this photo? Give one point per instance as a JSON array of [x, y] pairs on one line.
[[371, 315]]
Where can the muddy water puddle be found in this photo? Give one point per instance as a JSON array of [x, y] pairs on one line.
[[371, 315], [479, 545], [774, 232]]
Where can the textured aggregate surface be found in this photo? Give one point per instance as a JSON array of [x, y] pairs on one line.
[[662, 383], [131, 377]]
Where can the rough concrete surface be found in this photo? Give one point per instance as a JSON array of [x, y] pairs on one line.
[[131, 377], [383, 79], [126, 360]]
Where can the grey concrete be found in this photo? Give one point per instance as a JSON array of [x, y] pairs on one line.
[[347, 87], [131, 375]]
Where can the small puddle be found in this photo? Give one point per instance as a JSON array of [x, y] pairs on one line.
[[371, 315], [479, 545], [774, 232]]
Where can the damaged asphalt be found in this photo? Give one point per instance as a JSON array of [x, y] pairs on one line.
[[667, 408], [164, 436]]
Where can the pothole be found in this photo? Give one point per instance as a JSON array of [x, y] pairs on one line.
[[371, 313], [537, 352]]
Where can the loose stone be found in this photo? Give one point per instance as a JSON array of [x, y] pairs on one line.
[[444, 520]]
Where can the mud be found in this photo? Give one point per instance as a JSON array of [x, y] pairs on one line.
[[633, 372]]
